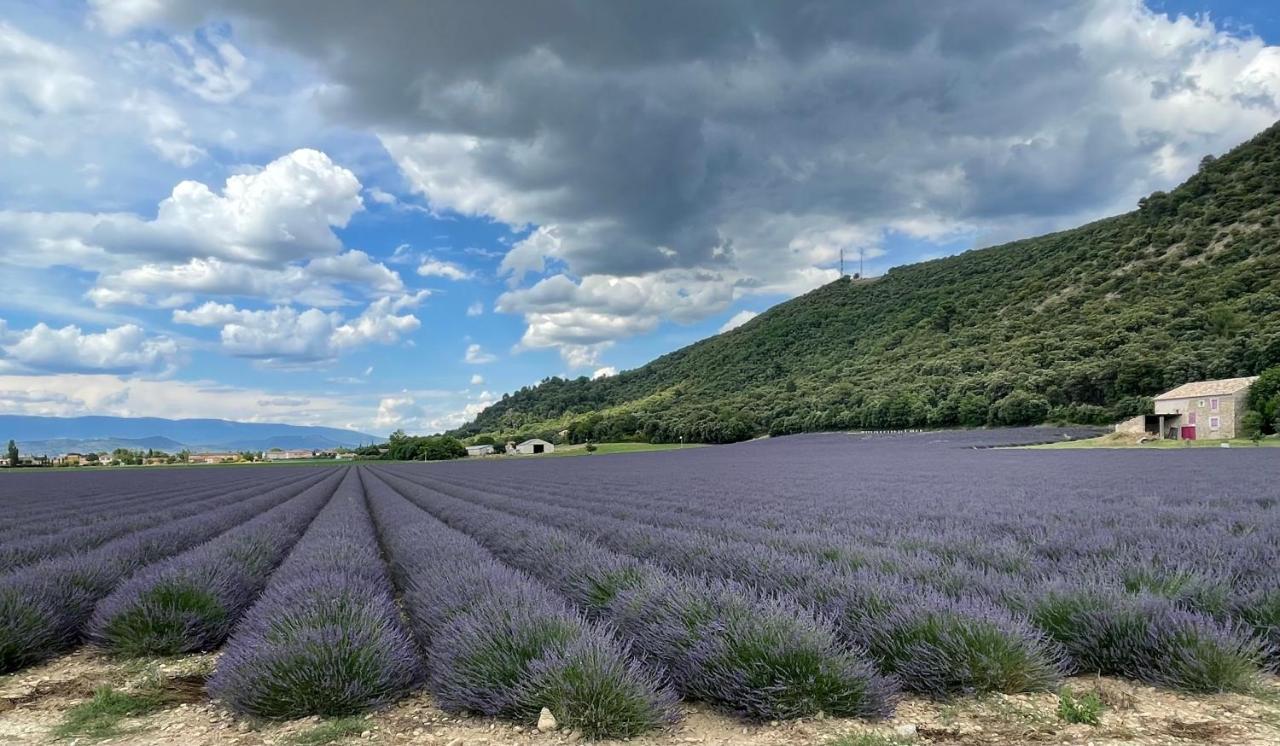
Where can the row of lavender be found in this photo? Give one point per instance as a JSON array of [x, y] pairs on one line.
[[295, 576], [605, 641], [40, 507], [604, 592], [326, 636], [47, 605], [1170, 581], [92, 527]]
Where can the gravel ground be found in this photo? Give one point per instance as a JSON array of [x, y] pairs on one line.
[[34, 702]]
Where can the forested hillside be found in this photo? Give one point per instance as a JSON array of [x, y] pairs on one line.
[[1076, 326]]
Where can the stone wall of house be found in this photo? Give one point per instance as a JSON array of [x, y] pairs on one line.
[[1230, 409], [1133, 426], [1239, 403]]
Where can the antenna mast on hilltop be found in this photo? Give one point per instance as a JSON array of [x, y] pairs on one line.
[[841, 263]]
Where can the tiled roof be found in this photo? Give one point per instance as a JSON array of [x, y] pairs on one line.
[[1208, 388]]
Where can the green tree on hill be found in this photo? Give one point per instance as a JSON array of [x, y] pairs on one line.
[[13, 453], [429, 448], [1264, 398], [1251, 425]]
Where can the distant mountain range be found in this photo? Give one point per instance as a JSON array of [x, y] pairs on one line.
[[52, 435]]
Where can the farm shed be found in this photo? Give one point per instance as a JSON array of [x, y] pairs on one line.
[[481, 450], [535, 445], [1202, 410]]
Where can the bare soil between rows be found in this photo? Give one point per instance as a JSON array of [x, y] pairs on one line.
[[34, 702]]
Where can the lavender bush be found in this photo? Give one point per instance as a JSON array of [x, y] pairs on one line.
[[57, 507]]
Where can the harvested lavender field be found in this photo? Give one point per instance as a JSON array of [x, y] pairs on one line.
[[853, 579]]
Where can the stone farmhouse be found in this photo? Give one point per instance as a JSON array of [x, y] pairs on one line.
[[1202, 410]]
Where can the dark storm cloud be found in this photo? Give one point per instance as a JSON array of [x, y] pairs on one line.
[[657, 121], [753, 140]]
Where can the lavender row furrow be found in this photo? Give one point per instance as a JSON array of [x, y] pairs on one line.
[[325, 637], [970, 645], [496, 642], [1008, 538], [48, 506], [136, 516], [190, 602], [44, 607], [1230, 577], [719, 642]]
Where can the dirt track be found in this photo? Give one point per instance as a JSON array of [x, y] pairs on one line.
[[34, 702]]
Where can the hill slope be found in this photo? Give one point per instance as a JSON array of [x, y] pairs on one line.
[[1076, 325], [60, 434]]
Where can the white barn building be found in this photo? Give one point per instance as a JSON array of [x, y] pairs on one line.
[[534, 446]]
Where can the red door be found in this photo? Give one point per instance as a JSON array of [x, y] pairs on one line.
[[1188, 432]]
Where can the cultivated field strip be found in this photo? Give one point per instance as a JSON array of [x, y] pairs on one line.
[[497, 642], [133, 516], [1205, 637], [54, 490], [717, 641], [1085, 555], [190, 602], [58, 510], [969, 645], [761, 579], [956, 563], [325, 637], [1002, 570], [44, 607]]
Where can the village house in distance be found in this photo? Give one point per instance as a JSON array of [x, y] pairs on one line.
[[1202, 410]]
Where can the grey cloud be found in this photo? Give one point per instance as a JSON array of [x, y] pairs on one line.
[[283, 401], [647, 125], [749, 139]]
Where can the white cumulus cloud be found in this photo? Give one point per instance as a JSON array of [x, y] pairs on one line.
[[123, 349], [737, 320], [287, 337], [438, 268], [476, 355]]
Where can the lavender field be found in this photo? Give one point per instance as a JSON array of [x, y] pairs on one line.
[[772, 579]]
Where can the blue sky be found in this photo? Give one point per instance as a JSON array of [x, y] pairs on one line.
[[287, 212]]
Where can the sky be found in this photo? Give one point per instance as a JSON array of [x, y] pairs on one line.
[[304, 211]]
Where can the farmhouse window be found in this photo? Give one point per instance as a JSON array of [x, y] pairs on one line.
[[1213, 405], [1215, 423], [1200, 404], [1191, 418]]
